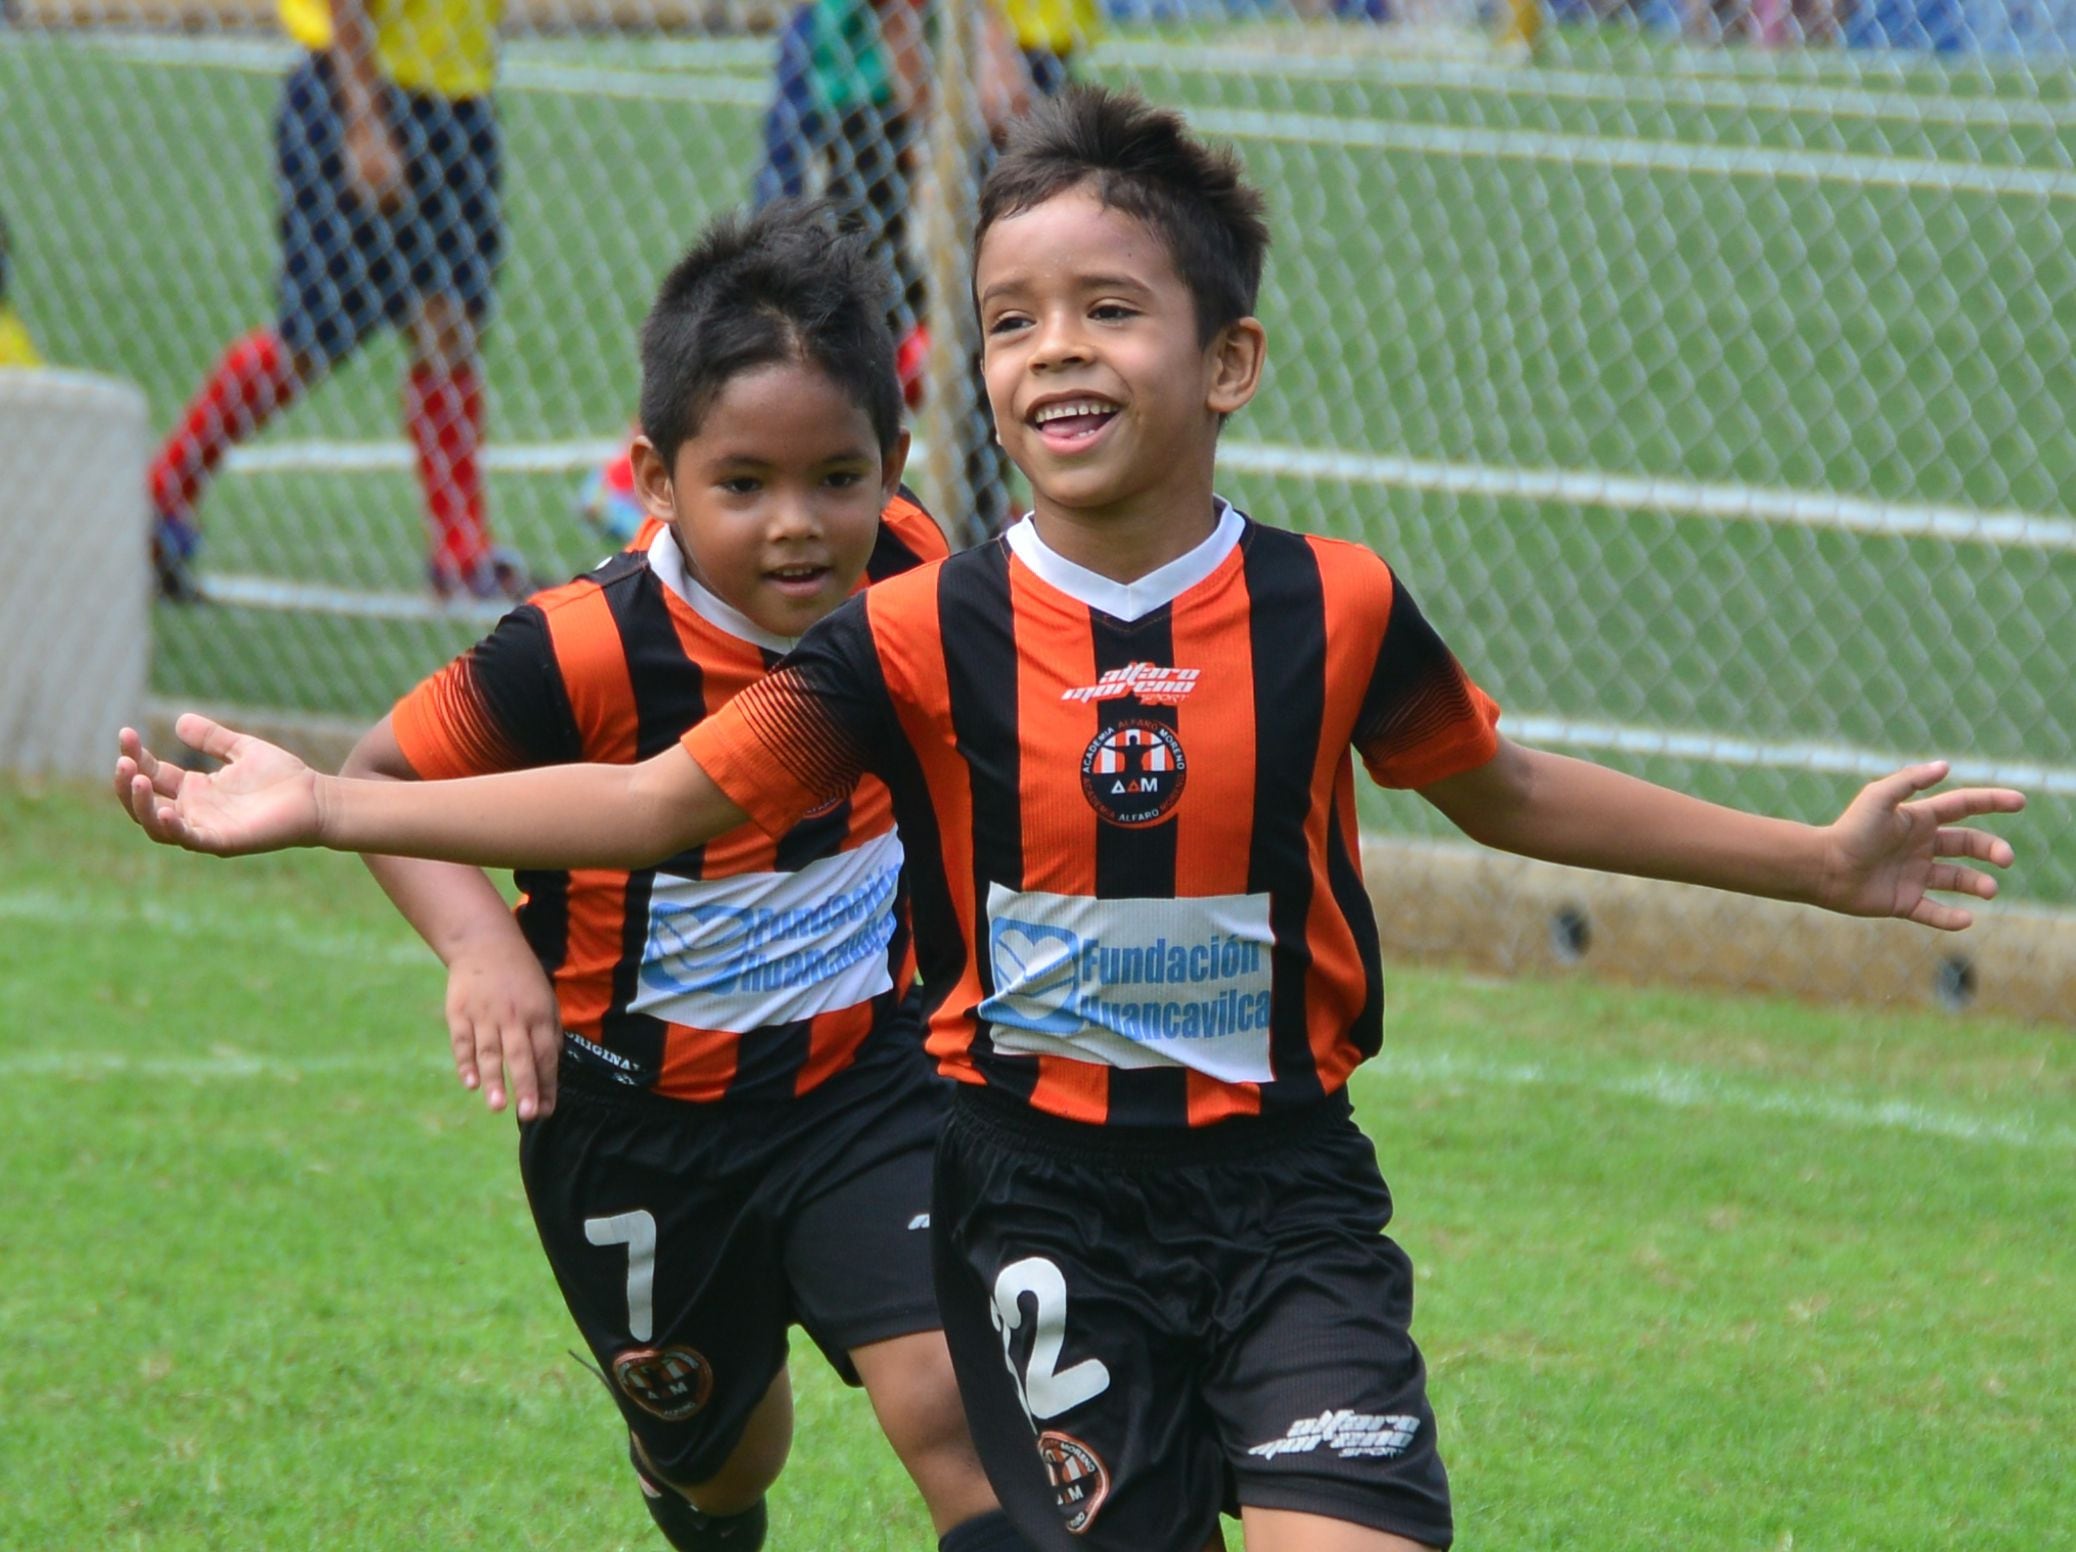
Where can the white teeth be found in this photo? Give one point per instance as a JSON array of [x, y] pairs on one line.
[[1061, 411]]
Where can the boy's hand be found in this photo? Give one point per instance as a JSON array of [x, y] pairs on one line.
[[1886, 850], [502, 1019], [263, 799]]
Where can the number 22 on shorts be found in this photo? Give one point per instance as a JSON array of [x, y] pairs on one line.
[[1045, 1390]]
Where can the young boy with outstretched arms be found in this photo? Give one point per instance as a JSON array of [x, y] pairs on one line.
[[1119, 744], [740, 1136]]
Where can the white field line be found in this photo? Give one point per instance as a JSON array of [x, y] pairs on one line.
[[1856, 169], [1822, 99], [283, 597], [1705, 81], [1610, 151], [1655, 493], [272, 56], [1665, 1087], [1577, 487], [1821, 759], [1689, 1089], [319, 457], [45, 908]]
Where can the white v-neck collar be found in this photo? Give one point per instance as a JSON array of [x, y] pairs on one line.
[[1128, 601], [668, 562]]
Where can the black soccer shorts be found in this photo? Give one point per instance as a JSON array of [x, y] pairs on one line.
[[688, 1238], [347, 268], [1149, 1325]]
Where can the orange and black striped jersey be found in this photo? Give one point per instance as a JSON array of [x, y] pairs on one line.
[[750, 968], [1129, 808]]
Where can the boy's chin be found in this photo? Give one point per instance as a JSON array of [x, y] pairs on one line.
[[1091, 490], [792, 616]]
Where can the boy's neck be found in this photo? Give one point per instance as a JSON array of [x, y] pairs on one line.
[[1130, 540]]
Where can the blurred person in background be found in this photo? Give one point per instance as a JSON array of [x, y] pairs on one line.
[[387, 168], [16, 347]]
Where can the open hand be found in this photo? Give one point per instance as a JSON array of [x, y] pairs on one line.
[[502, 1019], [1887, 850], [263, 799]]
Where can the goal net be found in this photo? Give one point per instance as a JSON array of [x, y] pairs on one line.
[[1703, 364]]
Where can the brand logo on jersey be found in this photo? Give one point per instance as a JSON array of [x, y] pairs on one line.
[[1080, 1480], [1351, 1435], [1132, 774], [919, 1221], [671, 1383], [1153, 684]]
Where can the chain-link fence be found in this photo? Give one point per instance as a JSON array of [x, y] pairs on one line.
[[1706, 367]]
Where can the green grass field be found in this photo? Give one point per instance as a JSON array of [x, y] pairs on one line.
[[1477, 268], [1695, 1273]]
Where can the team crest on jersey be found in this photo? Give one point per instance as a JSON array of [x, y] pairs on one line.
[[1152, 683], [1132, 772], [671, 1383], [1080, 1480]]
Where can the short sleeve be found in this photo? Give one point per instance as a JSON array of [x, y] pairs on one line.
[[500, 706], [802, 736], [908, 537], [1422, 718]]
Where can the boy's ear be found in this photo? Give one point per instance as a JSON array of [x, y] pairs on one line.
[[1236, 359], [895, 465], [652, 480]]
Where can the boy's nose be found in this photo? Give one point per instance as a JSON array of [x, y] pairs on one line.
[[1059, 343], [793, 517]]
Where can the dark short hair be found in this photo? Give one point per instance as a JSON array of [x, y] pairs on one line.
[[1143, 161], [783, 284]]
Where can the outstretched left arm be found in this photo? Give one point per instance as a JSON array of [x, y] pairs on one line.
[[1886, 855]]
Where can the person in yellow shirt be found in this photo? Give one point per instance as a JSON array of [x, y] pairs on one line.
[[387, 169], [16, 348], [1051, 34]]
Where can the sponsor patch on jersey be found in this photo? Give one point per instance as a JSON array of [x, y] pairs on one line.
[[1150, 683], [754, 949], [1133, 983], [1351, 1435], [1132, 773], [1080, 1480], [671, 1382]]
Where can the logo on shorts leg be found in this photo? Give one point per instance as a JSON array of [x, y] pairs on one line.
[[1351, 1435], [1080, 1480], [672, 1383]]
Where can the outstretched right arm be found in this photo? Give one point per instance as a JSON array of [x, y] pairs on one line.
[[561, 816]]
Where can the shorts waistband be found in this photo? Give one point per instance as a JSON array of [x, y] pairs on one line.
[[1009, 1122], [582, 1076]]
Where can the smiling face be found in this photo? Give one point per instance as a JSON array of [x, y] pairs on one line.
[[1102, 392], [775, 498]]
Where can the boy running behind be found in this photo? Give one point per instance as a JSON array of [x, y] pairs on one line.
[[1119, 744], [746, 1115]]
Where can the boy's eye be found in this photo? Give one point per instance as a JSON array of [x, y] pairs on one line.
[[1007, 323], [843, 479], [1107, 311], [741, 485]]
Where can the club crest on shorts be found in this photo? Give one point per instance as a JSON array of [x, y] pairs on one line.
[[1132, 772], [1080, 1480], [671, 1383]]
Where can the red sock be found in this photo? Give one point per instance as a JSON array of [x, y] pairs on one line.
[[443, 410], [252, 380]]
